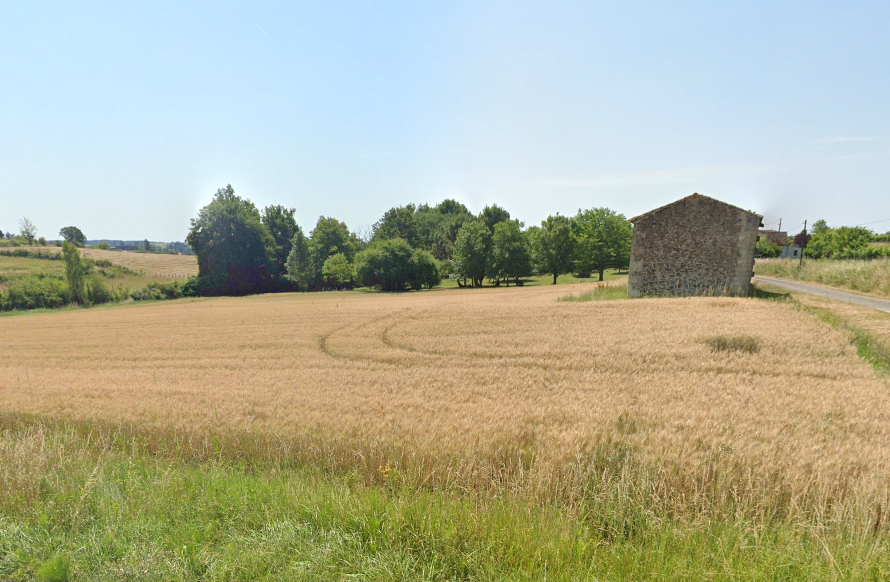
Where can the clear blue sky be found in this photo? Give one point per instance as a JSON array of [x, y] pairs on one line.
[[123, 118]]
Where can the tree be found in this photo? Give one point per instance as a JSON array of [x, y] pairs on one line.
[[103, 245], [425, 270], [385, 264], [471, 252], [554, 246], [602, 241], [1, 234], [510, 257], [73, 235], [236, 253], [330, 237], [492, 215], [27, 230], [280, 223], [338, 272], [398, 223], [76, 270], [802, 239], [146, 246], [299, 267], [767, 249]]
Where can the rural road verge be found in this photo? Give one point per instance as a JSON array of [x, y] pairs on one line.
[[798, 287]]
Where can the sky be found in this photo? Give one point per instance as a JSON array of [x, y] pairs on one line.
[[124, 118]]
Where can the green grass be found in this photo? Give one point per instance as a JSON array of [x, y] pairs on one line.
[[97, 505]]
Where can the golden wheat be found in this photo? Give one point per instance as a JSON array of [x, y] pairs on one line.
[[150, 264], [450, 380]]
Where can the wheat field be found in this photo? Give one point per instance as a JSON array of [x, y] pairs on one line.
[[503, 388], [158, 265]]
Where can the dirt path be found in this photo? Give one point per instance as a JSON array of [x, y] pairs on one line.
[[798, 287]]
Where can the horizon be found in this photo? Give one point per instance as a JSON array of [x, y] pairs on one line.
[[125, 120]]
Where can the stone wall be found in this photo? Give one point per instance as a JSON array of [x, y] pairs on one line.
[[695, 246]]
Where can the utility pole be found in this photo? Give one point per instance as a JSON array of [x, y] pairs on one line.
[[780, 225], [802, 248]]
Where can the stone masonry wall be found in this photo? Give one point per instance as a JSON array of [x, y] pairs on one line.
[[695, 246]]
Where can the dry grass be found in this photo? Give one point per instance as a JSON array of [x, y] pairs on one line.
[[863, 276], [499, 388], [155, 265]]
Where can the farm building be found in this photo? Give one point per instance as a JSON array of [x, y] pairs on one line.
[[779, 237], [694, 246]]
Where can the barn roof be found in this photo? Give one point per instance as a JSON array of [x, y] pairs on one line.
[[694, 195]]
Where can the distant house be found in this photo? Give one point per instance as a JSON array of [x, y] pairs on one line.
[[778, 237], [790, 252], [694, 246]]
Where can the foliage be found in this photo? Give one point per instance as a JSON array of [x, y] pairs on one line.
[[801, 239], [426, 271], [510, 255], [34, 292], [299, 266], [554, 246], [236, 253], [767, 249], [386, 265], [602, 241], [168, 290], [398, 223], [76, 271], [338, 272], [492, 215], [103, 245], [472, 248], [845, 242], [280, 223], [329, 238], [27, 230], [73, 235]]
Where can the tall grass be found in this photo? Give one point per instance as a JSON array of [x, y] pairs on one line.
[[98, 505], [865, 276]]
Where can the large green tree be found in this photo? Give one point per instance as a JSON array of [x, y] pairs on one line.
[[299, 266], [554, 249], [492, 215], [602, 241], [385, 265], [73, 235], [398, 222], [235, 251], [510, 256], [76, 271], [472, 250], [280, 223], [338, 272]]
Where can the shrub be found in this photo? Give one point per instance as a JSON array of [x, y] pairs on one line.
[[173, 290], [34, 293]]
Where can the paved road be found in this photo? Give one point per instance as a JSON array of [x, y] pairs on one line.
[[796, 286]]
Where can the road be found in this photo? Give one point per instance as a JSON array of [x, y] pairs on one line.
[[798, 287]]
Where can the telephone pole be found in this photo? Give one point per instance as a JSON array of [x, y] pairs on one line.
[[800, 264], [780, 225]]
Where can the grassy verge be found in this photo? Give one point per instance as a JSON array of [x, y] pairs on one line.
[[98, 506], [863, 276], [869, 347]]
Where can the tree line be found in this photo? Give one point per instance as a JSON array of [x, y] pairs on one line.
[[825, 242], [242, 250]]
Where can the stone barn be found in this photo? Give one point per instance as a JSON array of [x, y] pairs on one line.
[[694, 246]]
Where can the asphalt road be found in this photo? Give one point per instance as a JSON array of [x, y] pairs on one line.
[[798, 287]]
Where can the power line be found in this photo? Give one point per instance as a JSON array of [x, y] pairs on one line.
[[875, 222]]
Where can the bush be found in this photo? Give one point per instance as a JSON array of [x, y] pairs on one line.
[[34, 293], [767, 250], [173, 290], [392, 265]]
